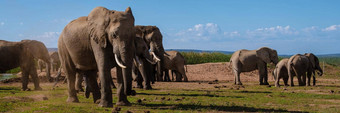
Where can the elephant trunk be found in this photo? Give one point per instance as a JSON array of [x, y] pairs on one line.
[[127, 59], [320, 73]]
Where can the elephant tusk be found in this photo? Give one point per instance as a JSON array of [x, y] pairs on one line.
[[150, 61], [157, 59], [137, 59], [118, 62]]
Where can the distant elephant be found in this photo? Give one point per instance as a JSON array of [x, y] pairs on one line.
[[22, 54], [175, 61], [54, 59], [143, 64], [300, 65], [96, 43], [249, 60], [154, 39], [281, 71]]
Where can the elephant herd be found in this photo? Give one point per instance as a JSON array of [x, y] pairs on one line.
[[90, 46]]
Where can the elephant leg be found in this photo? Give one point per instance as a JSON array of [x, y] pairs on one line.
[[299, 76], [285, 80], [308, 78], [237, 77], [122, 98], [304, 79], [182, 72], [314, 78], [144, 74], [265, 76], [79, 80], [172, 75], [24, 79], [92, 84], [290, 75], [34, 76], [139, 80], [166, 76], [178, 76], [278, 76], [71, 79]]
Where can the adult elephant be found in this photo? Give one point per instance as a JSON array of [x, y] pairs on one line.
[[22, 54], [96, 43], [54, 59], [154, 39], [249, 60], [175, 61], [300, 65], [144, 60], [281, 71]]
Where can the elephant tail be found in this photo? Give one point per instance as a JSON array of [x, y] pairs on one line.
[[291, 65]]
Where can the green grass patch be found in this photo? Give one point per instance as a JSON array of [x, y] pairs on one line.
[[197, 58]]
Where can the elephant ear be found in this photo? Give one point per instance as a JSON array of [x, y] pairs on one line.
[[311, 58], [98, 21], [263, 54]]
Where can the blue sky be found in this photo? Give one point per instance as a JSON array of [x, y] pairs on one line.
[[289, 26]]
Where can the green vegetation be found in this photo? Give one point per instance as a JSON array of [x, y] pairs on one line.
[[15, 70], [334, 61], [197, 58]]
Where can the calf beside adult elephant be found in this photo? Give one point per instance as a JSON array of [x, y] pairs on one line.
[[96, 43], [175, 62], [249, 60], [300, 65], [22, 54], [54, 59], [281, 71]]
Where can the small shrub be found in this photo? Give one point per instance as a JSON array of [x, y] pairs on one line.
[[197, 58]]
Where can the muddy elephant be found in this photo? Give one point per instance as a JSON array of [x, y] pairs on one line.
[[96, 43], [154, 39], [143, 64], [23, 54], [303, 66], [54, 59], [281, 71], [175, 61], [249, 60]]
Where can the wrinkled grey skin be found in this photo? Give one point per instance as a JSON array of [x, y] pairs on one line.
[[142, 72], [22, 54], [281, 71], [96, 43], [249, 60], [55, 62], [154, 39], [303, 66], [175, 61]]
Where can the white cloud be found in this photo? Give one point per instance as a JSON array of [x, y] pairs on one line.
[[2, 23], [199, 32], [332, 28], [21, 23]]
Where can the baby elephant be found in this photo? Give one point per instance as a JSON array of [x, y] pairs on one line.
[[281, 71]]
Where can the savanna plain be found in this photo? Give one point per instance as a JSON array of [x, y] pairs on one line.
[[210, 89]]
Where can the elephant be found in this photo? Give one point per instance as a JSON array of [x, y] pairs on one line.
[[281, 71], [54, 59], [299, 65], [144, 60], [248, 60], [154, 39], [22, 54], [97, 43], [175, 61]]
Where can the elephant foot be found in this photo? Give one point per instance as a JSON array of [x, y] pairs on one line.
[[148, 88], [72, 99], [132, 93], [105, 104], [87, 94], [38, 88], [264, 83], [292, 85], [25, 89], [122, 103], [276, 85], [308, 85], [140, 86], [185, 80], [239, 83]]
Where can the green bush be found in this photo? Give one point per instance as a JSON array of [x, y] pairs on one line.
[[15, 70], [197, 58], [335, 61]]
